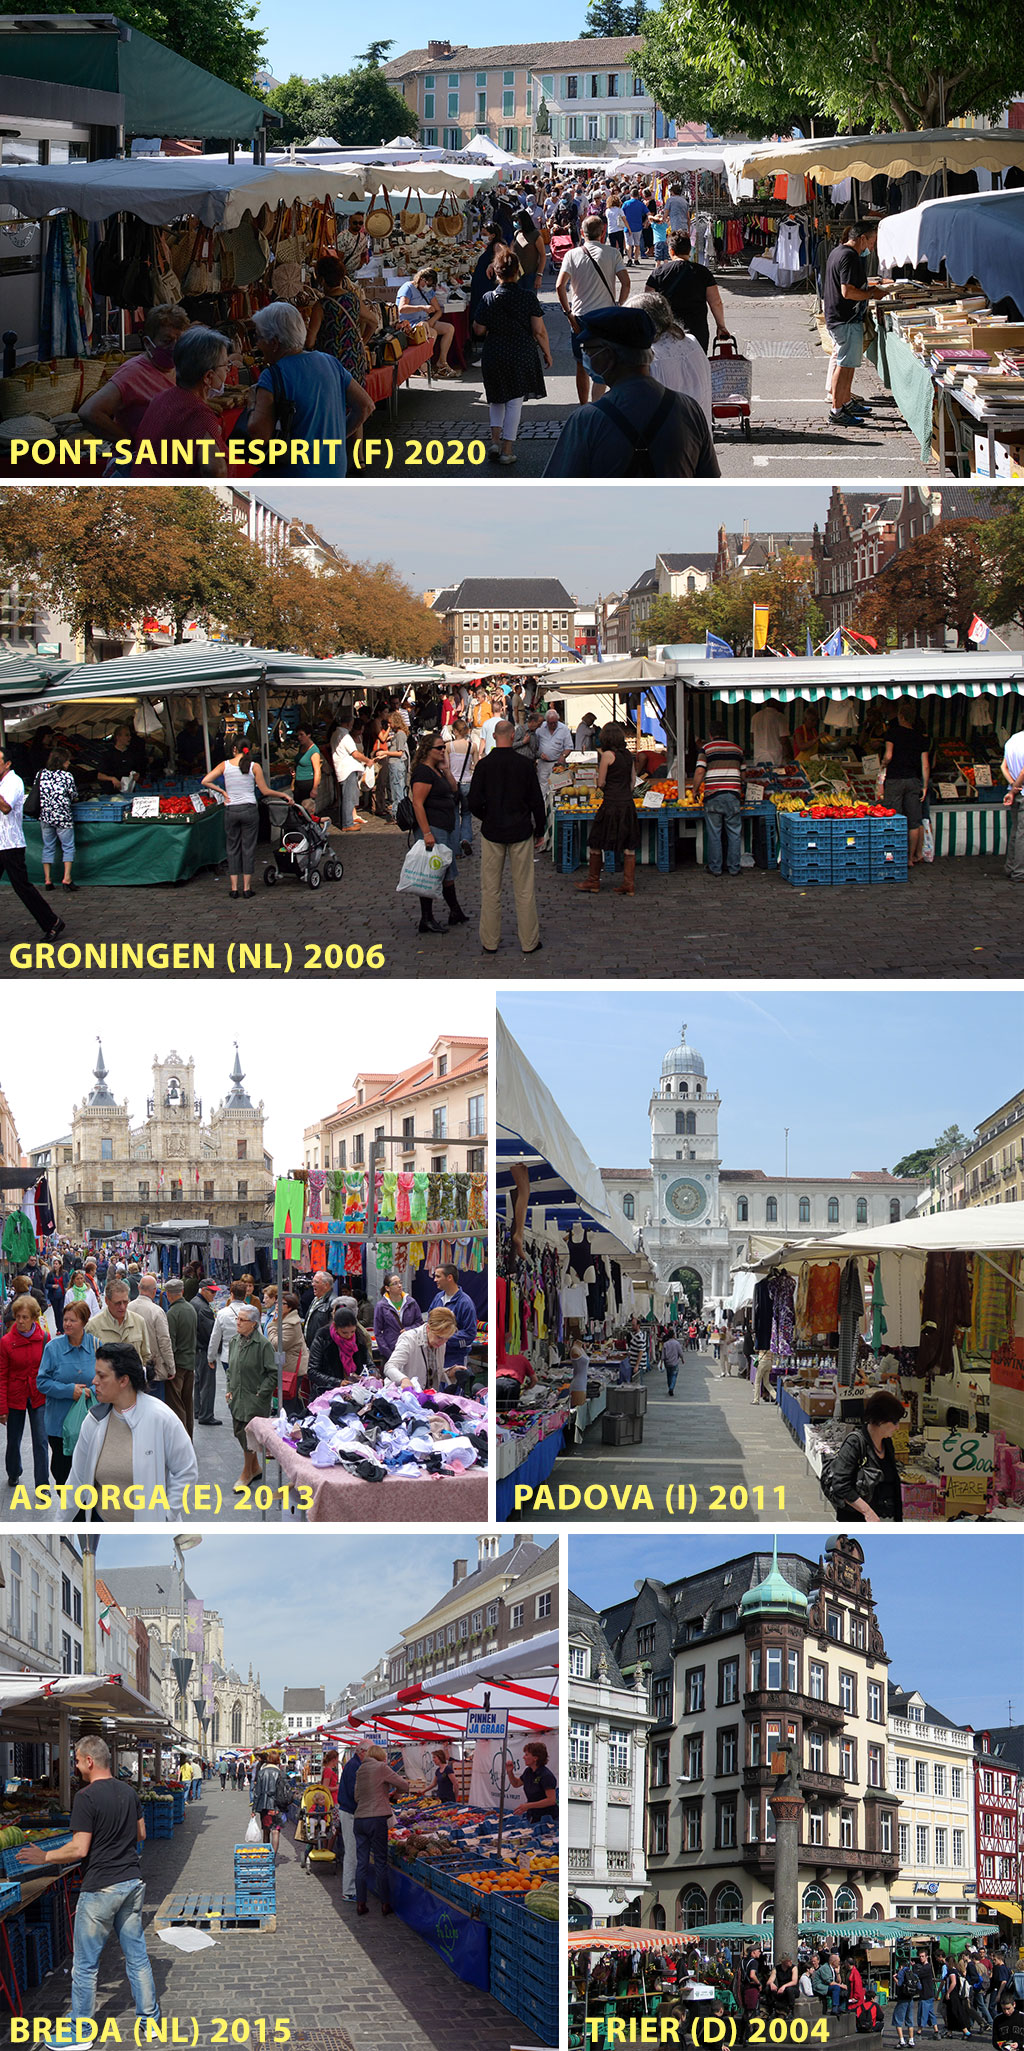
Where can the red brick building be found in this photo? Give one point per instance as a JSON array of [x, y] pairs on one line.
[[863, 530]]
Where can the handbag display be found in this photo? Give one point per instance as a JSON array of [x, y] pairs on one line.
[[412, 220], [166, 282], [203, 273], [244, 255], [380, 220], [448, 221]]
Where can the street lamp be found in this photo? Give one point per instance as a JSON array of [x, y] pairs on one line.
[[182, 1664]]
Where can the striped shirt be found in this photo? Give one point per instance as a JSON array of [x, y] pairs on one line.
[[721, 762]]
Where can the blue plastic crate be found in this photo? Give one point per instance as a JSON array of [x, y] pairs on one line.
[[889, 870], [806, 871], [506, 1912], [540, 1938], [13, 1870], [851, 869], [10, 1893], [251, 1904]]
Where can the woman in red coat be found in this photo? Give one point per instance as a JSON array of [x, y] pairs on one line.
[[21, 1350]]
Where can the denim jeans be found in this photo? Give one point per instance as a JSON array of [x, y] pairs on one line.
[[398, 780], [51, 835], [722, 809], [40, 1445], [100, 1911], [926, 2013], [464, 822], [349, 795], [372, 1849]]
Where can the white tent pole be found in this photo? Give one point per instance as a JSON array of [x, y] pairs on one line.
[[206, 732], [264, 734]]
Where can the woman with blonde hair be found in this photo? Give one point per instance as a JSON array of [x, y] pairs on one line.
[[375, 1782], [419, 1352]]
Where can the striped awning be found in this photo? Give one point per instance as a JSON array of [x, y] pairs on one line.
[[219, 665], [787, 694]]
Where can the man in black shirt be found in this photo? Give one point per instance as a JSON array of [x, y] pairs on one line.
[[846, 297], [505, 796], [690, 290], [106, 1832], [638, 429]]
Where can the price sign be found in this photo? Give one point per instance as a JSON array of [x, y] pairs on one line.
[[964, 1453], [755, 793], [982, 776], [948, 790], [872, 765], [964, 1493], [652, 801]]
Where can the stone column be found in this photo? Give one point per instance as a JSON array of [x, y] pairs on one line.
[[788, 1811]]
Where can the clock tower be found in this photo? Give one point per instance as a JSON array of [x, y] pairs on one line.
[[686, 1229]]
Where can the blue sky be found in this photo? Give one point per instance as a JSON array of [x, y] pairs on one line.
[[933, 1591], [860, 1078], [309, 1608], [302, 38], [595, 545]]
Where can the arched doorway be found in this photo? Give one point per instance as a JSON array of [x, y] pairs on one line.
[[691, 1909], [691, 1286], [657, 1917]]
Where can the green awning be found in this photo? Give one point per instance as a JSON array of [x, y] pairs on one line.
[[29, 675], [164, 94], [787, 694], [222, 665]]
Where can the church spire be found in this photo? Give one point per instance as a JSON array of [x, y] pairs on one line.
[[238, 1099], [101, 1094]]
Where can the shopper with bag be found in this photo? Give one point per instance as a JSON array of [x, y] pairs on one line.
[[21, 1351], [435, 804], [65, 1381], [374, 1782]]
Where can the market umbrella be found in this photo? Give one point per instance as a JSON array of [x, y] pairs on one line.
[[163, 189], [830, 158], [976, 235]]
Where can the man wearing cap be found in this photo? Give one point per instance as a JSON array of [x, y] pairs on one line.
[[638, 429], [181, 1325], [593, 276], [205, 1383]]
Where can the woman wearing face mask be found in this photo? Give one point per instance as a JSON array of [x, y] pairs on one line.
[[394, 1313], [115, 411], [185, 412]]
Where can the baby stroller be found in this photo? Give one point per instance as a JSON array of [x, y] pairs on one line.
[[302, 847], [316, 1819], [561, 243]]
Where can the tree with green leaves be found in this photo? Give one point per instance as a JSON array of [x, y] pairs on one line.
[[920, 1162], [375, 54], [614, 18], [877, 67], [1002, 545], [726, 608], [358, 108], [224, 40], [934, 585]]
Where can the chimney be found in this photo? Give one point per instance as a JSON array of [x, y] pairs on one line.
[[461, 1570], [442, 48], [746, 533]]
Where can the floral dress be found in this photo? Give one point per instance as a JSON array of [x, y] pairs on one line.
[[57, 794], [338, 334]]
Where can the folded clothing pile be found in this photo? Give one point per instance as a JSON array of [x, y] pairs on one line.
[[375, 1430]]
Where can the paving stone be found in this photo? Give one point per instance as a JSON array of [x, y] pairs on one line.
[[345, 1983]]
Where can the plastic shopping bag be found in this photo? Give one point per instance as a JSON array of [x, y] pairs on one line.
[[424, 869], [73, 1423], [928, 844], [254, 1834]]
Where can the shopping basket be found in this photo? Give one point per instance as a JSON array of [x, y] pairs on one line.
[[730, 383]]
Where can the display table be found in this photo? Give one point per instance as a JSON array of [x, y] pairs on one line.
[[970, 829], [136, 850], [412, 360], [767, 814], [341, 1498], [462, 1940], [380, 386], [534, 1470]]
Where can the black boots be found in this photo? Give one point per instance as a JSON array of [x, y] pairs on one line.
[[456, 915], [428, 923]]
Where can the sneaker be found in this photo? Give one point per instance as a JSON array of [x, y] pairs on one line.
[[844, 419]]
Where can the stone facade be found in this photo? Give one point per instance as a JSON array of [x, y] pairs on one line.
[[174, 1164], [430, 1116], [931, 1768], [608, 1721], [234, 1702], [692, 1214]]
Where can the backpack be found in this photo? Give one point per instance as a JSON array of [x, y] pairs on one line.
[[405, 817], [869, 2020], [641, 462], [909, 1982]]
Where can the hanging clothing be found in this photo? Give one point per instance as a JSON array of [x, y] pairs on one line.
[[851, 1310], [316, 1183], [945, 1309], [580, 1257], [901, 1295], [402, 1206], [783, 1290], [418, 1198], [992, 1306], [289, 1205]]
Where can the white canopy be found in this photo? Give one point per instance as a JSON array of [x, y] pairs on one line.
[[894, 673], [693, 156], [531, 1129], [424, 171], [983, 1228], [162, 189], [103, 1696], [830, 158], [618, 675], [505, 160]]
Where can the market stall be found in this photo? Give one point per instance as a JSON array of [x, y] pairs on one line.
[[477, 1879], [563, 1273], [933, 1308], [41, 1718]]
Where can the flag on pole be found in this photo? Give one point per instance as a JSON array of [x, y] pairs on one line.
[[810, 645], [102, 1619], [978, 631], [761, 613], [865, 640], [834, 644], [714, 645]]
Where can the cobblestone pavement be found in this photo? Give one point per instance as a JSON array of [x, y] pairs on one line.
[[954, 918], [790, 436], [374, 1982], [708, 1434]]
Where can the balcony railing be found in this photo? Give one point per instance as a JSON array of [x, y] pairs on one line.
[[579, 1862], [171, 1196], [473, 1128], [620, 1776], [807, 1706], [581, 1769], [849, 1857], [619, 1862]]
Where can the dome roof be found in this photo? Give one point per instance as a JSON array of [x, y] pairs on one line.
[[682, 1060], [774, 1596]]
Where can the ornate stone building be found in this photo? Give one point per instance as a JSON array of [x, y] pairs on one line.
[[234, 1704], [741, 1661], [695, 1218], [175, 1164]]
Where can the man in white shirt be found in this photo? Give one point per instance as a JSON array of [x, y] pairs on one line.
[[554, 743], [1013, 770], [346, 759], [225, 1328], [593, 276], [13, 862]]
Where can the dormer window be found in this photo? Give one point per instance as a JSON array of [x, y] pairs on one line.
[[442, 1064]]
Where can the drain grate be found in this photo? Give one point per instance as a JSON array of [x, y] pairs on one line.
[[778, 349], [323, 2040]]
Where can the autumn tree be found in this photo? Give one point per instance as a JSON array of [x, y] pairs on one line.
[[933, 586], [786, 587], [1002, 545]]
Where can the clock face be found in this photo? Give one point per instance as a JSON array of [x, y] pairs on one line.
[[685, 1199]]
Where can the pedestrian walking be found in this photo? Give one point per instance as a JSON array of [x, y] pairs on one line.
[[106, 1832], [241, 778], [515, 343], [505, 796], [671, 1354], [638, 429], [204, 1384], [13, 859], [182, 1325], [762, 1377]]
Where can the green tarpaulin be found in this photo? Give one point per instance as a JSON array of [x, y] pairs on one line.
[[137, 850], [163, 93], [214, 665], [910, 381]]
